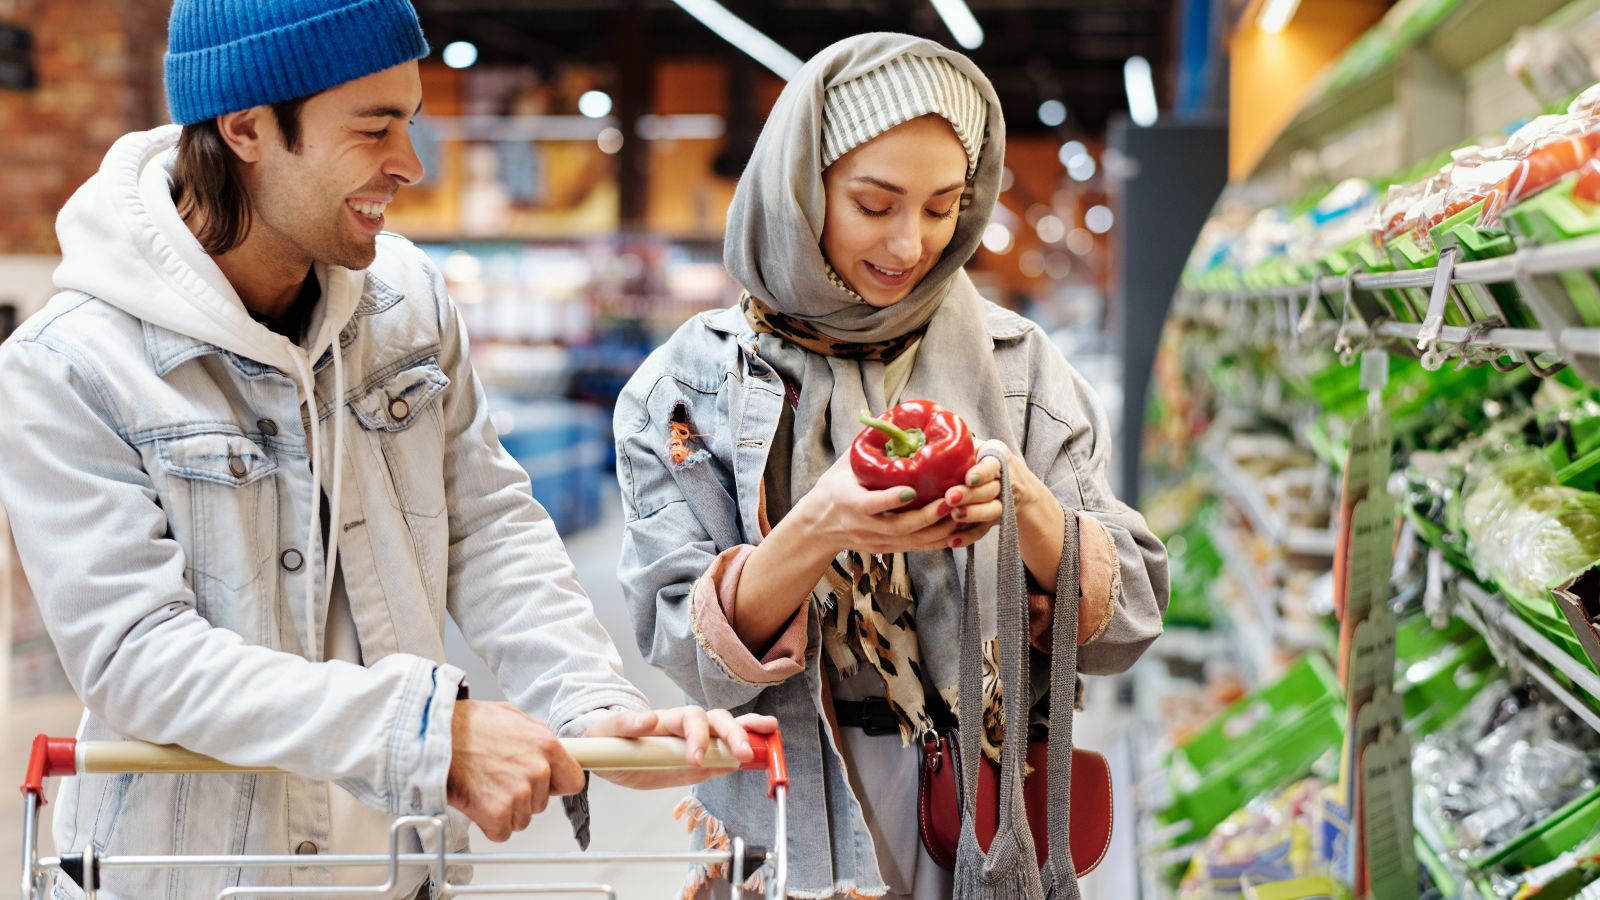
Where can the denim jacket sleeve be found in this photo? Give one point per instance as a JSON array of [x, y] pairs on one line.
[[511, 586], [1068, 446], [109, 580], [672, 510]]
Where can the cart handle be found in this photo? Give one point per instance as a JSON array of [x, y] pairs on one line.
[[53, 756]]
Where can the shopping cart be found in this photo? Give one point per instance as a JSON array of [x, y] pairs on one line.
[[65, 756]]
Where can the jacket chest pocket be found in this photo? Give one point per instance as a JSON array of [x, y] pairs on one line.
[[222, 507], [402, 419]]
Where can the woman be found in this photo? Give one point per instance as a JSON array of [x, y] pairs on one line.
[[761, 576]]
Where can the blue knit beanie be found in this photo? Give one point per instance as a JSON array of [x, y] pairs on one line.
[[227, 55]]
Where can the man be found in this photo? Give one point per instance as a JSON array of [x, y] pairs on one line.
[[251, 470]]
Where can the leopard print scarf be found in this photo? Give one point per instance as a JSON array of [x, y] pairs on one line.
[[856, 629], [855, 626], [766, 320]]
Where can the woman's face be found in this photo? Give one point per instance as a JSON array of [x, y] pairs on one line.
[[892, 208]]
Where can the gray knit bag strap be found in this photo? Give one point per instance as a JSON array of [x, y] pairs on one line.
[[1008, 871], [1060, 872]]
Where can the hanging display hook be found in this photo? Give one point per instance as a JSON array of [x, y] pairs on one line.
[[1341, 341], [1433, 321]]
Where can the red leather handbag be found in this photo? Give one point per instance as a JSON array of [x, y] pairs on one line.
[[939, 801], [1086, 799]]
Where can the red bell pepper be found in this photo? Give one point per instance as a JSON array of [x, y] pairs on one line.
[[918, 444]]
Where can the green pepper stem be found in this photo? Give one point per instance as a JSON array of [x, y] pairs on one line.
[[902, 442]]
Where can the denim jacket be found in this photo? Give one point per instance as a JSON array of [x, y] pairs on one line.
[[159, 489], [682, 515]]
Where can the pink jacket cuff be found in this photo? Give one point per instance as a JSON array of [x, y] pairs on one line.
[[712, 598], [1098, 571]]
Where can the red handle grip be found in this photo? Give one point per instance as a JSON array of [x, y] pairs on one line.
[[50, 756], [769, 756]]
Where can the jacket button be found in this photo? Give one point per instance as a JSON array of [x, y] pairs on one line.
[[291, 560], [399, 409], [268, 427], [236, 466], [306, 848]]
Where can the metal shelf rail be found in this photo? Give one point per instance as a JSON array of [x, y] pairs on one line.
[[1533, 270], [1526, 650], [1243, 490]]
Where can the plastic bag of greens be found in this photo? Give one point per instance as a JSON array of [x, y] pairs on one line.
[[1493, 494], [1554, 536]]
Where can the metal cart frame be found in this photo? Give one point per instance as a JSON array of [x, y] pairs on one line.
[[60, 757]]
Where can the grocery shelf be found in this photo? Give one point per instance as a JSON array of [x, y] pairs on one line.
[[1238, 486], [1263, 606], [1462, 39], [1561, 336], [1529, 650]]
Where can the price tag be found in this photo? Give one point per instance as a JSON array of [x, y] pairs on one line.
[[1391, 856]]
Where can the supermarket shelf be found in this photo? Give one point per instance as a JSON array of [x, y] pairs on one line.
[[1581, 253], [1531, 651], [1467, 35], [1266, 521], [1428, 831], [1264, 606], [1561, 336]]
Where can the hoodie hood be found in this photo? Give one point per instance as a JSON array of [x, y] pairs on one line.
[[123, 242]]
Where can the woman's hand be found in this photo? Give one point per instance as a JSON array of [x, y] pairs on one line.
[[697, 726], [976, 504], [1040, 518], [847, 516]]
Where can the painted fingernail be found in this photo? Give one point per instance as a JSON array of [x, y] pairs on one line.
[[974, 479], [959, 496], [908, 494], [944, 509], [955, 543]]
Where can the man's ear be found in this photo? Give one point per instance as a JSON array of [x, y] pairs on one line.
[[243, 132]]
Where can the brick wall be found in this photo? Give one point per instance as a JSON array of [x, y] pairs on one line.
[[99, 68]]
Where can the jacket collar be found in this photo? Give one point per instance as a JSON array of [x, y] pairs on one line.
[[168, 349]]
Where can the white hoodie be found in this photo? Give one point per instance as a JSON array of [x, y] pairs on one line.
[[123, 241]]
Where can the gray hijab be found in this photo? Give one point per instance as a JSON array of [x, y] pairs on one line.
[[773, 249], [775, 222]]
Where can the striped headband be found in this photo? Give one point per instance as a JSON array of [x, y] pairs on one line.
[[900, 90]]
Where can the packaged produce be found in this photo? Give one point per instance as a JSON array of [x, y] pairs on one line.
[[1294, 833], [1506, 764], [1527, 532]]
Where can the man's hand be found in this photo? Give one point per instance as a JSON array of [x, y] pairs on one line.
[[505, 766], [698, 727]]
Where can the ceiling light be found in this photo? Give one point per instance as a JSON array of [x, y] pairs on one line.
[[1080, 242], [595, 104], [1058, 265], [1141, 89], [1051, 229], [1031, 264], [1276, 14], [1082, 168], [610, 141], [958, 18], [997, 238], [1052, 112], [459, 54], [1070, 151], [739, 33], [1098, 219]]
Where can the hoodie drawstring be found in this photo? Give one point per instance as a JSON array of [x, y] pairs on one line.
[[308, 383]]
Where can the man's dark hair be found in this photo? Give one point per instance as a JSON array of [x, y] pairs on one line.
[[206, 178]]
